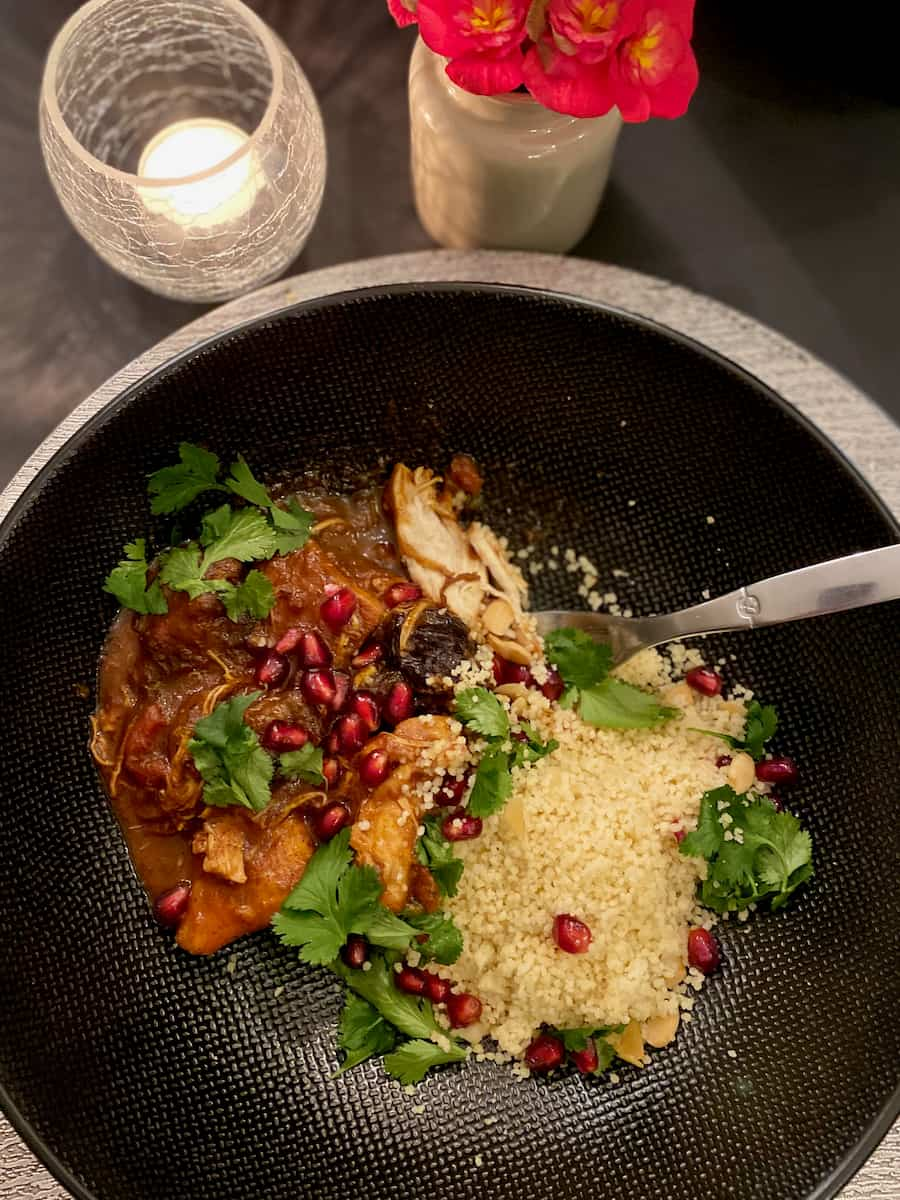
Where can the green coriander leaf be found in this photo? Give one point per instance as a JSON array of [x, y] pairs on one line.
[[410, 1061], [606, 1055], [388, 930], [128, 582], [254, 597], [318, 939], [292, 525], [410, 1014], [181, 572], [581, 661], [245, 535], [570, 697], [305, 764], [358, 896], [707, 839], [435, 852], [234, 767], [762, 721], [243, 483], [613, 704], [576, 1039], [215, 523], [493, 783], [445, 941], [362, 1032], [482, 712], [172, 488], [317, 888], [532, 748]]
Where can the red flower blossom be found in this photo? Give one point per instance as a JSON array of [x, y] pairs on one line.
[[586, 29], [481, 37], [488, 74], [653, 72], [403, 11], [564, 83]]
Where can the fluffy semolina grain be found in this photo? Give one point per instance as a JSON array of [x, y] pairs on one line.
[[589, 831]]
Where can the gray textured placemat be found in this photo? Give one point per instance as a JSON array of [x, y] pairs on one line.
[[864, 433]]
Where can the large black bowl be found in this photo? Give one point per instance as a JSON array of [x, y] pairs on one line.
[[137, 1071]]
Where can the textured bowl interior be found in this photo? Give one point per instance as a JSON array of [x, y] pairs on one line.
[[148, 1073]]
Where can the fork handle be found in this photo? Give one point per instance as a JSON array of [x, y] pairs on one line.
[[842, 583]]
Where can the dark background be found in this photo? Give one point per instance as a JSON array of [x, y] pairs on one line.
[[779, 193]]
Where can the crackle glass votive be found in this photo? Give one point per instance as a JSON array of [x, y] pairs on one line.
[[184, 143]]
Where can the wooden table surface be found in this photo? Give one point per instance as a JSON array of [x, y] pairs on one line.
[[779, 193]]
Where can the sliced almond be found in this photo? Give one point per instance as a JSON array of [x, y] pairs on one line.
[[509, 650], [741, 772], [679, 694], [498, 617], [513, 817], [659, 1031], [629, 1044], [515, 691]]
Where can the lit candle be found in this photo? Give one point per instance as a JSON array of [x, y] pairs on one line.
[[186, 148]]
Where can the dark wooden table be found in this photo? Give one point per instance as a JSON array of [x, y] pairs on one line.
[[779, 193]]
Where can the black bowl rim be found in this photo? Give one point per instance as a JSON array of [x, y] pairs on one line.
[[879, 1127]]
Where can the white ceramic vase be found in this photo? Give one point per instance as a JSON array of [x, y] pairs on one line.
[[502, 172]]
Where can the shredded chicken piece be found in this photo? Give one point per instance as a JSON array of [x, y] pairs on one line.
[[221, 842]]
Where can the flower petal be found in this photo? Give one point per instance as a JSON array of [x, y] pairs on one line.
[[401, 13], [486, 74], [460, 28], [566, 84]]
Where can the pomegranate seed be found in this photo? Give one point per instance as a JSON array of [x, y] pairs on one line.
[[281, 735], [271, 669], [553, 686], [585, 1060], [170, 906], [776, 802], [365, 706], [332, 744], [704, 680], [437, 990], [331, 772], [463, 1009], [313, 651], [703, 950], [319, 686], [341, 691], [544, 1054], [289, 641], [399, 703], [724, 760], [355, 951], [330, 820], [497, 668], [461, 827], [515, 673], [570, 934], [401, 593], [778, 770], [679, 836], [370, 653], [337, 610], [452, 792], [410, 980], [351, 734], [373, 768]]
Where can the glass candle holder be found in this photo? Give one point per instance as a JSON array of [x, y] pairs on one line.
[[184, 143]]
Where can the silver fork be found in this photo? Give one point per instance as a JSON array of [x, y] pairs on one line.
[[852, 582]]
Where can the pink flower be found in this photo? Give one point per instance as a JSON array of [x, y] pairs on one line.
[[403, 11], [586, 29], [653, 72], [482, 38], [565, 83]]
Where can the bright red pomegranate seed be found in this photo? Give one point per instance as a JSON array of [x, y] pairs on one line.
[[497, 668], [341, 691], [553, 686], [337, 610], [463, 1009], [570, 934], [313, 652], [452, 792], [365, 706], [679, 836], [330, 820], [331, 772], [585, 1060], [351, 734], [318, 686], [171, 905], [271, 669], [370, 653], [724, 760], [332, 744], [289, 641], [437, 990], [511, 672], [281, 735], [401, 593], [704, 680], [703, 950], [374, 768], [461, 827], [355, 951], [411, 980], [778, 770], [399, 704], [544, 1054]]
